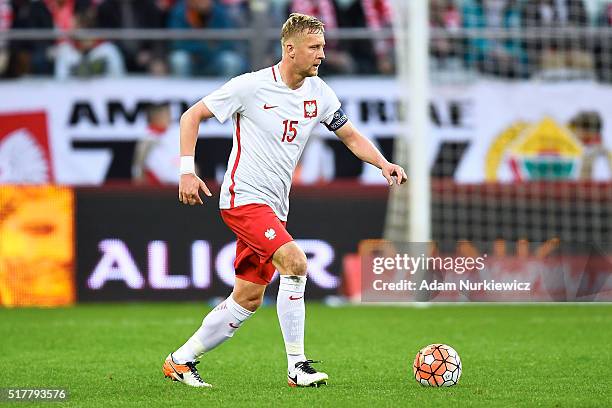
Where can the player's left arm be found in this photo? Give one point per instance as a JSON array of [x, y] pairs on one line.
[[365, 150]]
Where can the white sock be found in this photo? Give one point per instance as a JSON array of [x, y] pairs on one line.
[[218, 326], [291, 316]]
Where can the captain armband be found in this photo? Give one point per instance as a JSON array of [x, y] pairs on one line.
[[338, 120]]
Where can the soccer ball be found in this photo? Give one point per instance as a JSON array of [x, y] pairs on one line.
[[437, 365]]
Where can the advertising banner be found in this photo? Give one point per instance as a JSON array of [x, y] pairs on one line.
[[36, 246], [137, 243], [84, 132], [144, 245]]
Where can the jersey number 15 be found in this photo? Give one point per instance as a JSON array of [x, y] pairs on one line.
[[290, 131]]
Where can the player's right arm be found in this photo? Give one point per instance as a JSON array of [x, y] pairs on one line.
[[189, 183], [221, 104]]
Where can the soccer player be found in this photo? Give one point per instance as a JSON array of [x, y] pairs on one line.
[[273, 111]]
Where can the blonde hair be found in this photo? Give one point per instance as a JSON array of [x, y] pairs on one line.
[[297, 23]]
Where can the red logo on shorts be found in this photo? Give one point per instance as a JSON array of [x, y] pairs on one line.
[[295, 298], [310, 109]]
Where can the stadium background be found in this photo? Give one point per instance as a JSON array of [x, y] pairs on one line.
[[518, 147], [518, 152]]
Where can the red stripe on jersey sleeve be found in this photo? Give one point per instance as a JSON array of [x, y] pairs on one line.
[[274, 74], [233, 185]]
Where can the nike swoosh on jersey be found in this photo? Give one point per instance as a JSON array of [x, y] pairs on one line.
[[295, 298], [266, 106]]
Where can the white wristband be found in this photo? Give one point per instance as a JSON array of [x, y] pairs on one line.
[[187, 165]]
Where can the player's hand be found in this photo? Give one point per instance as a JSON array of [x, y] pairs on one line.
[[394, 174], [189, 189]]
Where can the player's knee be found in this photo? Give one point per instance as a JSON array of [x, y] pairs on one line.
[[290, 260], [249, 299], [297, 265], [251, 303]]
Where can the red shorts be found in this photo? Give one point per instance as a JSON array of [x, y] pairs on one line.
[[259, 233]]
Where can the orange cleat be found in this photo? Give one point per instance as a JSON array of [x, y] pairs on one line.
[[186, 373]]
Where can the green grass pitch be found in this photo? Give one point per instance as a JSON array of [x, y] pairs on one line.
[[513, 356]]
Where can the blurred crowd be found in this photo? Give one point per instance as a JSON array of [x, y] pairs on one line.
[[506, 38], [75, 57], [524, 38]]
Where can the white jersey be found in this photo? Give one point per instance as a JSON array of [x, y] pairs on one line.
[[272, 124]]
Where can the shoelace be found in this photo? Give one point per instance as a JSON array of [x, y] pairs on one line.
[[194, 371], [306, 367]]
